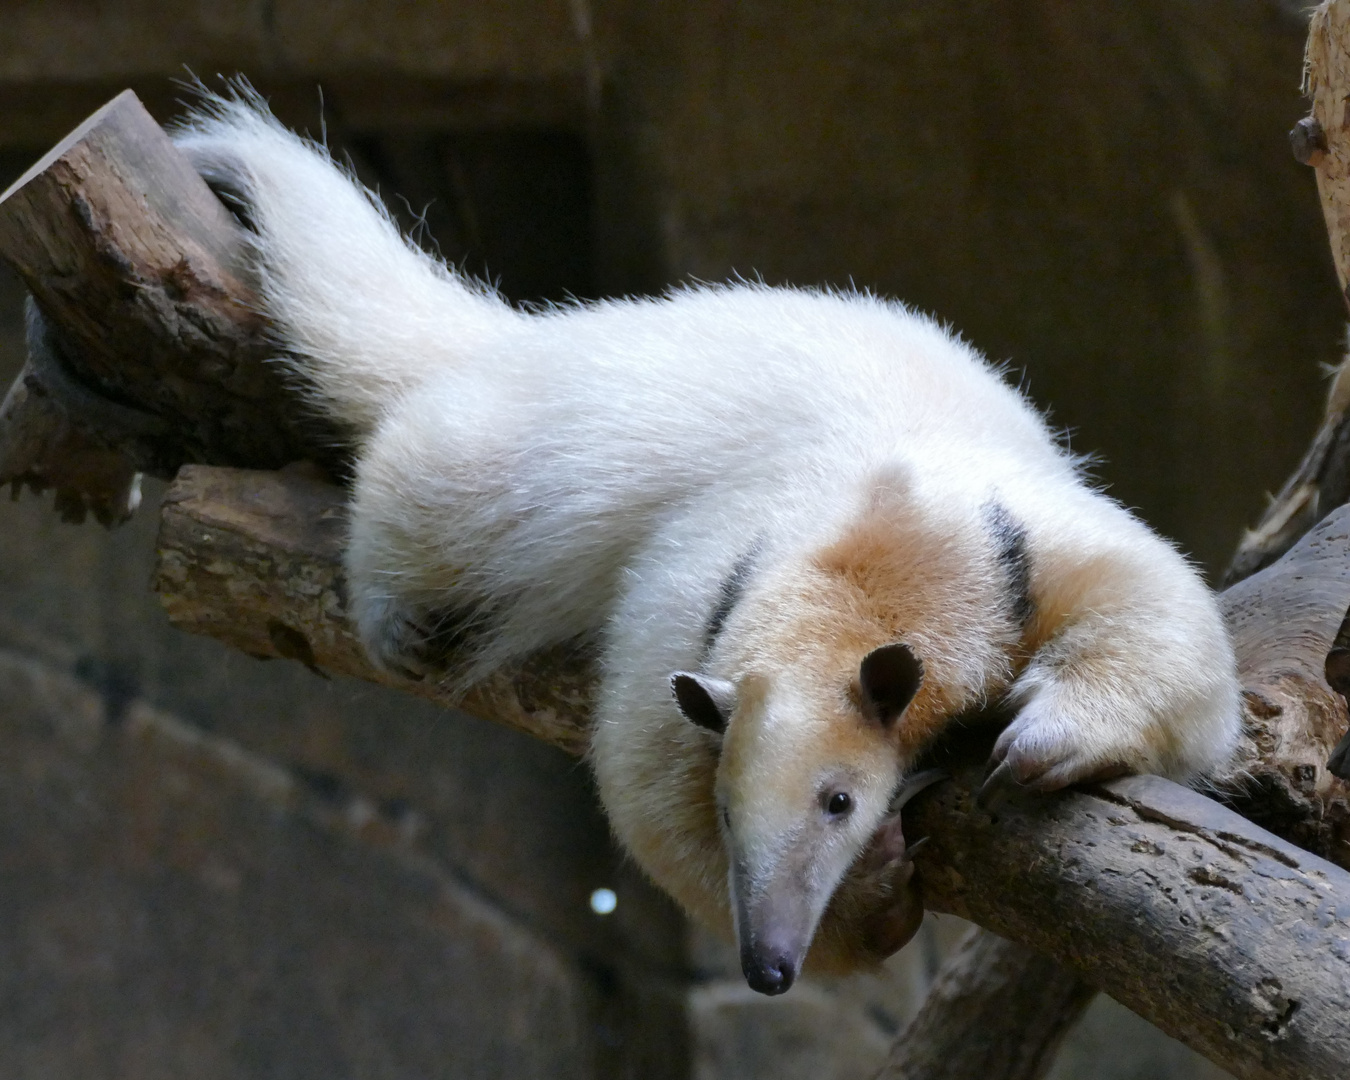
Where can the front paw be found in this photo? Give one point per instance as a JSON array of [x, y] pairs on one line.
[[1062, 736]]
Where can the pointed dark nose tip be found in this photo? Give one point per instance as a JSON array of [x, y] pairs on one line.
[[770, 973]]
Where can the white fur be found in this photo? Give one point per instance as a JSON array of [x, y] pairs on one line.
[[594, 470]]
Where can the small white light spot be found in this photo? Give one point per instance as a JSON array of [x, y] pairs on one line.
[[603, 901]]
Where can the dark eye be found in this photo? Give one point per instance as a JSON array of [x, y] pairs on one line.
[[840, 804], [726, 819]]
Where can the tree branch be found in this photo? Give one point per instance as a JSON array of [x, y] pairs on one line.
[[142, 294], [1321, 481], [1020, 1002], [1216, 930], [1213, 928], [255, 559]]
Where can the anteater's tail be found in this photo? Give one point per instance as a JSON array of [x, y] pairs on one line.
[[360, 312]]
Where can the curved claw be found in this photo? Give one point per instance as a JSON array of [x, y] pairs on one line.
[[911, 849], [913, 784], [997, 783]]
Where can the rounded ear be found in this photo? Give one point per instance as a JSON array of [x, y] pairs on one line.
[[890, 677], [706, 701]]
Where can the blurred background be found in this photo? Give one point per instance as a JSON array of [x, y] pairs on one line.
[[212, 867]]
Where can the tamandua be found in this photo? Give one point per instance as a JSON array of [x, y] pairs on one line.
[[804, 529]]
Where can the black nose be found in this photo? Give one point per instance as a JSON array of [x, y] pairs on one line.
[[768, 971]]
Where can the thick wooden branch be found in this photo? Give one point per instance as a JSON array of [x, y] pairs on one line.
[[1210, 926], [48, 440], [142, 298], [1321, 481], [1217, 930], [1018, 1002], [1324, 143], [255, 559]]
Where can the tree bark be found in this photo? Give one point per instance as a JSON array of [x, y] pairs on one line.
[[255, 559], [1280, 619], [1321, 481], [52, 436], [1215, 930], [997, 1011], [142, 295], [1218, 931], [1209, 926]]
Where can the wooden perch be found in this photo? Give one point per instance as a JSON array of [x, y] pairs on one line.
[[52, 436], [1212, 927], [1321, 482], [255, 559], [142, 304], [997, 1011]]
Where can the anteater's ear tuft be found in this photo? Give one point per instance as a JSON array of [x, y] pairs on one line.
[[890, 677], [706, 701]]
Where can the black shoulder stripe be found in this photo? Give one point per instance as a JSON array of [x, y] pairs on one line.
[[1010, 541], [729, 594]]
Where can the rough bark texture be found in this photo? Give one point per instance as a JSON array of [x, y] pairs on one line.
[[1216, 930], [255, 559], [125, 249], [1020, 1002], [1284, 622], [45, 443], [1322, 140], [1326, 76], [1319, 483]]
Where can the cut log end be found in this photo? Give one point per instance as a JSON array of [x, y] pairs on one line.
[[125, 100], [144, 274]]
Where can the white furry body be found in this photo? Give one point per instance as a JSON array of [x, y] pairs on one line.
[[595, 471]]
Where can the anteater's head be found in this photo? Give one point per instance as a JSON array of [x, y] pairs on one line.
[[828, 677], [803, 789]]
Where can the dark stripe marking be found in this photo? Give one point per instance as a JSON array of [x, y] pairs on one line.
[[729, 594], [1010, 540]]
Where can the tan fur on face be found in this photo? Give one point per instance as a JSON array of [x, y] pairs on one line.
[[774, 762], [900, 570], [926, 576]]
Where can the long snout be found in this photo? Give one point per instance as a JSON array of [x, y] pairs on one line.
[[775, 932]]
